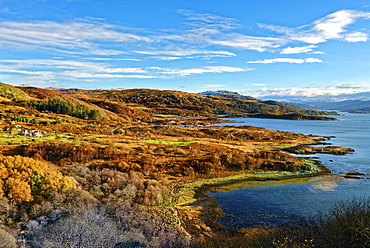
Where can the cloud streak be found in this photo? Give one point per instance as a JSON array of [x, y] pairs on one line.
[[286, 60], [295, 50], [208, 21], [259, 44], [74, 37], [203, 70], [50, 70]]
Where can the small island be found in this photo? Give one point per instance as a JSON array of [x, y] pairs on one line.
[[311, 149]]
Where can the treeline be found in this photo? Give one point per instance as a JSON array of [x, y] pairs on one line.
[[62, 107], [35, 121]]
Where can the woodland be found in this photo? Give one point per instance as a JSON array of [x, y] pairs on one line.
[[121, 168]]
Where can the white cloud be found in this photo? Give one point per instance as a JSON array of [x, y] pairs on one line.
[[166, 58], [238, 41], [286, 60], [188, 52], [332, 26], [50, 70], [329, 27], [74, 37], [209, 21], [124, 70], [53, 64], [207, 69], [29, 65], [313, 60], [356, 37], [317, 52], [44, 71], [295, 50], [207, 30], [206, 86], [112, 59], [253, 84], [39, 73], [328, 90], [220, 69], [77, 74]]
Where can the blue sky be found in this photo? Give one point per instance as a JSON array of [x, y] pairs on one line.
[[258, 48]]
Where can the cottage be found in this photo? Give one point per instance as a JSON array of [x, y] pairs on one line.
[[34, 133]]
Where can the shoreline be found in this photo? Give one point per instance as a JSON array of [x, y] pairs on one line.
[[199, 212]]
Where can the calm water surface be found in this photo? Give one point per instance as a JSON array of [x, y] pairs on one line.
[[273, 203]]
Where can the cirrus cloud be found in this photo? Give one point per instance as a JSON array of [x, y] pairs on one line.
[[294, 50], [286, 60], [203, 70], [74, 37]]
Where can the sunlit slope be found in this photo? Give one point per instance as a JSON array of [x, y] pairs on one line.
[[179, 103]]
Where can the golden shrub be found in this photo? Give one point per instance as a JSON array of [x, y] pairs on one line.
[[22, 179]]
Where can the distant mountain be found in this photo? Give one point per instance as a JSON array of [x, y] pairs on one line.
[[227, 94], [363, 96], [345, 106], [344, 102]]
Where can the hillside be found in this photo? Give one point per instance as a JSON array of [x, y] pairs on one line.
[[30, 107], [166, 102], [10, 92]]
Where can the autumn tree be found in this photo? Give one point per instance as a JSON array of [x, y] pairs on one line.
[[23, 179]]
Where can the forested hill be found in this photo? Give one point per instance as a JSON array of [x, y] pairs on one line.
[[168, 102]]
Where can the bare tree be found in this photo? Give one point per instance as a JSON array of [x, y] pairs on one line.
[[88, 227]]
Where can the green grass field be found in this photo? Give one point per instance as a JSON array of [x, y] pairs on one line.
[[18, 139]]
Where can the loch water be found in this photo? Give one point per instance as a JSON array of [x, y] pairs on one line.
[[271, 203]]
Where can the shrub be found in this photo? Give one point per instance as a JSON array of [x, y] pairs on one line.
[[87, 227], [7, 240], [347, 224]]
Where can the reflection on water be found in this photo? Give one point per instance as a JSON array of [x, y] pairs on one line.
[[277, 202], [273, 203], [325, 185]]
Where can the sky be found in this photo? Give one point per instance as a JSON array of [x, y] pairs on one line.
[[261, 48]]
